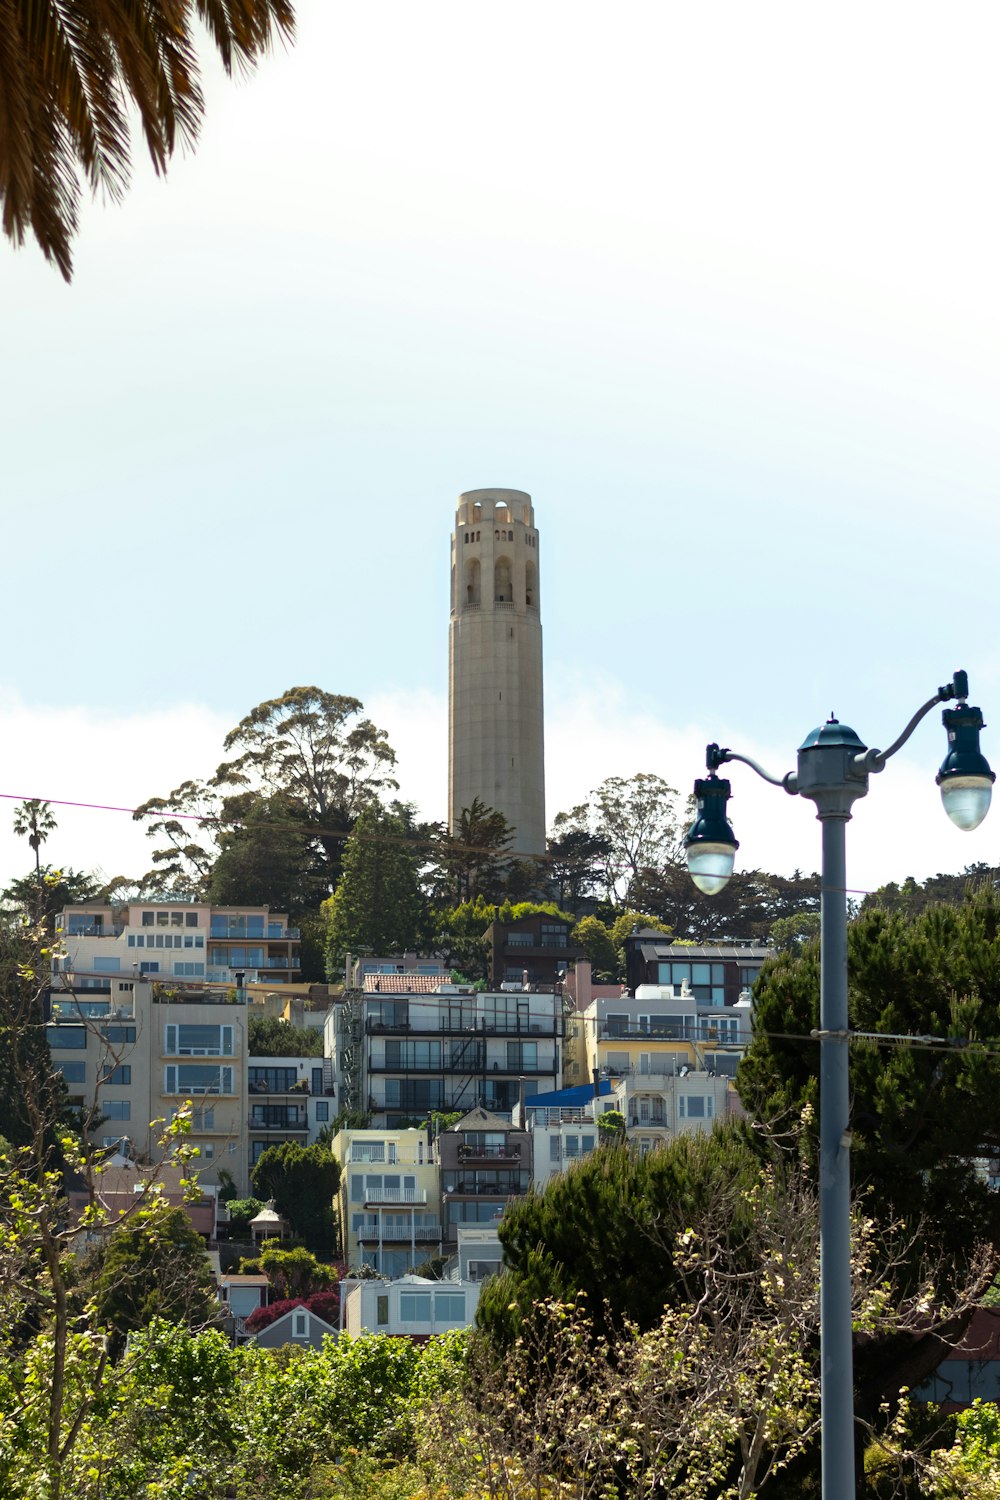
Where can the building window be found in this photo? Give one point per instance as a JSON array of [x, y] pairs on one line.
[[148, 968], [116, 1109], [68, 1038], [106, 965], [322, 1111], [190, 1040], [300, 1325], [554, 1154], [414, 1307], [194, 1078], [191, 971], [191, 919], [73, 1072], [147, 919], [120, 1075], [694, 1107], [117, 1034], [382, 1311], [449, 1307]]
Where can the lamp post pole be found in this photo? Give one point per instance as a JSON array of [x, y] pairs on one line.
[[832, 772]]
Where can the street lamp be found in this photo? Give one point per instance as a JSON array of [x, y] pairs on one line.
[[833, 770]]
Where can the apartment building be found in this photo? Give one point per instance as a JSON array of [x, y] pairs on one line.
[[135, 1053], [186, 941], [389, 1207], [659, 1030], [484, 1161], [290, 1099], [406, 1045]]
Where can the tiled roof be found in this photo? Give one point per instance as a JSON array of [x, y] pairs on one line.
[[403, 984]]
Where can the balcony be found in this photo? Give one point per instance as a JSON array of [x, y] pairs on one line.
[[400, 1233], [489, 1153], [549, 1026], [393, 1197], [513, 1189], [92, 930], [296, 1124]]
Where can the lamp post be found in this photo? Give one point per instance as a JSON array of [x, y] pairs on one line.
[[833, 770]]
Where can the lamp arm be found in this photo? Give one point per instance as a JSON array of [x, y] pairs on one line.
[[874, 760], [716, 757]]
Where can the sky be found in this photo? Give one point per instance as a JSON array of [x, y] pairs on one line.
[[716, 285]]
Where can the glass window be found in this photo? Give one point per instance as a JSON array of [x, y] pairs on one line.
[[415, 1307], [586, 1143], [116, 1109], [382, 1311], [449, 1307], [191, 1040], [322, 1111], [149, 968], [554, 1148], [701, 973], [194, 1078], [107, 965], [572, 1145], [147, 919], [68, 1038], [177, 919], [118, 1033], [191, 918], [73, 1072], [122, 1074], [163, 919]]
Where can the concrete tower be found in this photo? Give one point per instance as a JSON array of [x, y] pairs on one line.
[[495, 746]]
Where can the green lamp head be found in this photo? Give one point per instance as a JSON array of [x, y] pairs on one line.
[[710, 843], [965, 778]]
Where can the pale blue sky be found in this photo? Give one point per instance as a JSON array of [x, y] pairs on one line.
[[716, 285]]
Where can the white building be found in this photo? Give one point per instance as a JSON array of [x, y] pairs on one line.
[[410, 1307]]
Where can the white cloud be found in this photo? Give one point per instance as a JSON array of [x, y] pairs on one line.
[[76, 755], [108, 760]]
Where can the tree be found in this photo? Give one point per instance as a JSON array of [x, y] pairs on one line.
[[154, 1266], [309, 749], [302, 1181], [46, 891], [378, 906], [269, 1036], [267, 858], [471, 863], [922, 1113], [70, 74], [576, 858], [593, 936], [35, 820]]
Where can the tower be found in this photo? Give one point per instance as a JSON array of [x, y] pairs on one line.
[[495, 745]]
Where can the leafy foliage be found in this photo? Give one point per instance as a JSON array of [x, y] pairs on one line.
[[269, 1036], [302, 1181], [378, 906], [154, 1266], [70, 76]]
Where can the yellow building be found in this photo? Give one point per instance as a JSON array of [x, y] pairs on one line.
[[389, 1203]]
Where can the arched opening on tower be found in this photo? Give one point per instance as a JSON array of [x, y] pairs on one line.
[[472, 582], [501, 512], [503, 582], [531, 585]]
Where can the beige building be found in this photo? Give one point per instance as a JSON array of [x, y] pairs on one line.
[[148, 1010], [495, 741], [139, 1058]]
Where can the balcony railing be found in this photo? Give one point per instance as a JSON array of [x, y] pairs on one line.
[[395, 1196], [298, 1124], [547, 1026], [489, 1153], [403, 1233]]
